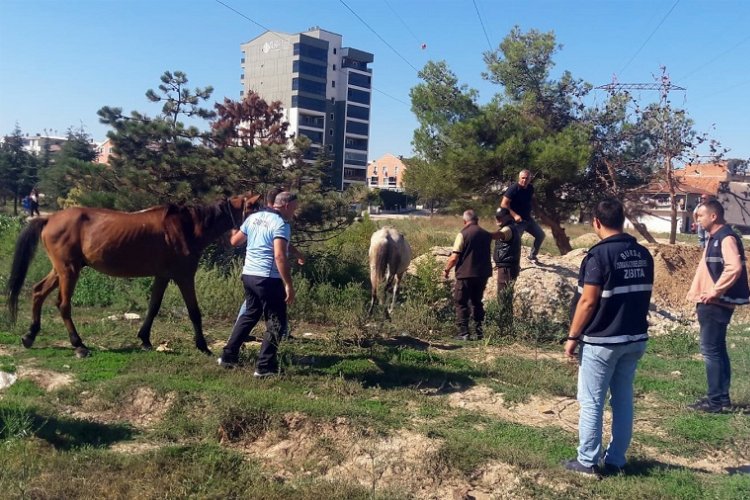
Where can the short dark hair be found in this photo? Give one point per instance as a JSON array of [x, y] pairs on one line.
[[610, 213], [715, 207], [271, 195]]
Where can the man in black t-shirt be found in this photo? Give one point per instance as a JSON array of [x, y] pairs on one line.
[[517, 199]]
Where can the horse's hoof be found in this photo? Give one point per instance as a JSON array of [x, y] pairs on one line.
[[147, 347], [207, 351], [82, 352], [27, 341]]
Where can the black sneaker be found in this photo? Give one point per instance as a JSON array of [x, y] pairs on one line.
[[264, 374], [576, 466], [612, 470], [227, 364], [707, 407]]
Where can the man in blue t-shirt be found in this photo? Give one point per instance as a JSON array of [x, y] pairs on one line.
[[609, 324], [267, 281], [518, 199]]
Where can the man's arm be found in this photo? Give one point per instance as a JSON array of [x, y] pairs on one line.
[[503, 233], [279, 255], [237, 238], [505, 203], [458, 247], [450, 264], [731, 273], [584, 312]]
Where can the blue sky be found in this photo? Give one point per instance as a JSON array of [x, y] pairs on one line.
[[60, 61]]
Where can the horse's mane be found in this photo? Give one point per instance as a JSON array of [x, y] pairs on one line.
[[185, 223]]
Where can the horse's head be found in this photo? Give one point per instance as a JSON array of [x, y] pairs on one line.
[[240, 206]]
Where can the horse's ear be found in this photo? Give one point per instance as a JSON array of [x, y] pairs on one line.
[[252, 200]]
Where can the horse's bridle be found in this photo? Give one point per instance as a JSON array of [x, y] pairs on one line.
[[231, 213]]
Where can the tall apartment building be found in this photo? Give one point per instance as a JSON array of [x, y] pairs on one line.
[[325, 90]]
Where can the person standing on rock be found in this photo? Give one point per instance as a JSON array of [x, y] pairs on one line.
[[471, 256], [507, 257], [609, 325], [720, 284], [518, 199]]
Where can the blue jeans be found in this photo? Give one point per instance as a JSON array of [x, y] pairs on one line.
[[713, 321], [606, 368], [530, 226]]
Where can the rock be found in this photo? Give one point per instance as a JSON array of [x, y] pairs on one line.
[[7, 379], [131, 316]]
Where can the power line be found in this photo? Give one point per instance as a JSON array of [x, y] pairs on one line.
[[476, 8], [402, 22], [285, 40], [242, 15], [716, 58], [378, 35], [649, 37], [394, 98]]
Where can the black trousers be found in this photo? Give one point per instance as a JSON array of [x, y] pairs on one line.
[[467, 296], [264, 297]]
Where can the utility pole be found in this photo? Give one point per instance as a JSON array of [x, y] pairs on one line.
[[664, 86]]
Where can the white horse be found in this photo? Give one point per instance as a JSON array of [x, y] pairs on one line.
[[390, 256]]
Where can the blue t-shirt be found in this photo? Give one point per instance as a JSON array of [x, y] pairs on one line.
[[261, 229]]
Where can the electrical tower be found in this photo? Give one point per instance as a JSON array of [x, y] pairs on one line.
[[664, 86]]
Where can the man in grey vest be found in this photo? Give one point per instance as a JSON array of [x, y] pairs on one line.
[[720, 284], [507, 257]]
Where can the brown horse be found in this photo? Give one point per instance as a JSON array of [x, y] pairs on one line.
[[165, 242]]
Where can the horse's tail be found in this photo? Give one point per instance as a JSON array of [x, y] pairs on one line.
[[25, 250], [380, 261]]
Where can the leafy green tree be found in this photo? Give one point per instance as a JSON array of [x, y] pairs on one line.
[[534, 123], [70, 168], [674, 139], [18, 167], [439, 103], [428, 182], [161, 159]]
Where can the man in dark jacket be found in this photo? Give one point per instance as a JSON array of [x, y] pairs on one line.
[[609, 324], [472, 258], [507, 257], [720, 284]]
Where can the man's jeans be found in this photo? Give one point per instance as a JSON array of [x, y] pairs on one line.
[[702, 236], [530, 226], [606, 368], [713, 321], [264, 297]]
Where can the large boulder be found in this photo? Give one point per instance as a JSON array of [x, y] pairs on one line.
[[544, 290]]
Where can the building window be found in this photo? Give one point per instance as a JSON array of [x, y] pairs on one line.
[[334, 50], [374, 170], [385, 172], [334, 67], [332, 116], [358, 112], [333, 83], [330, 131], [359, 96], [330, 147]]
